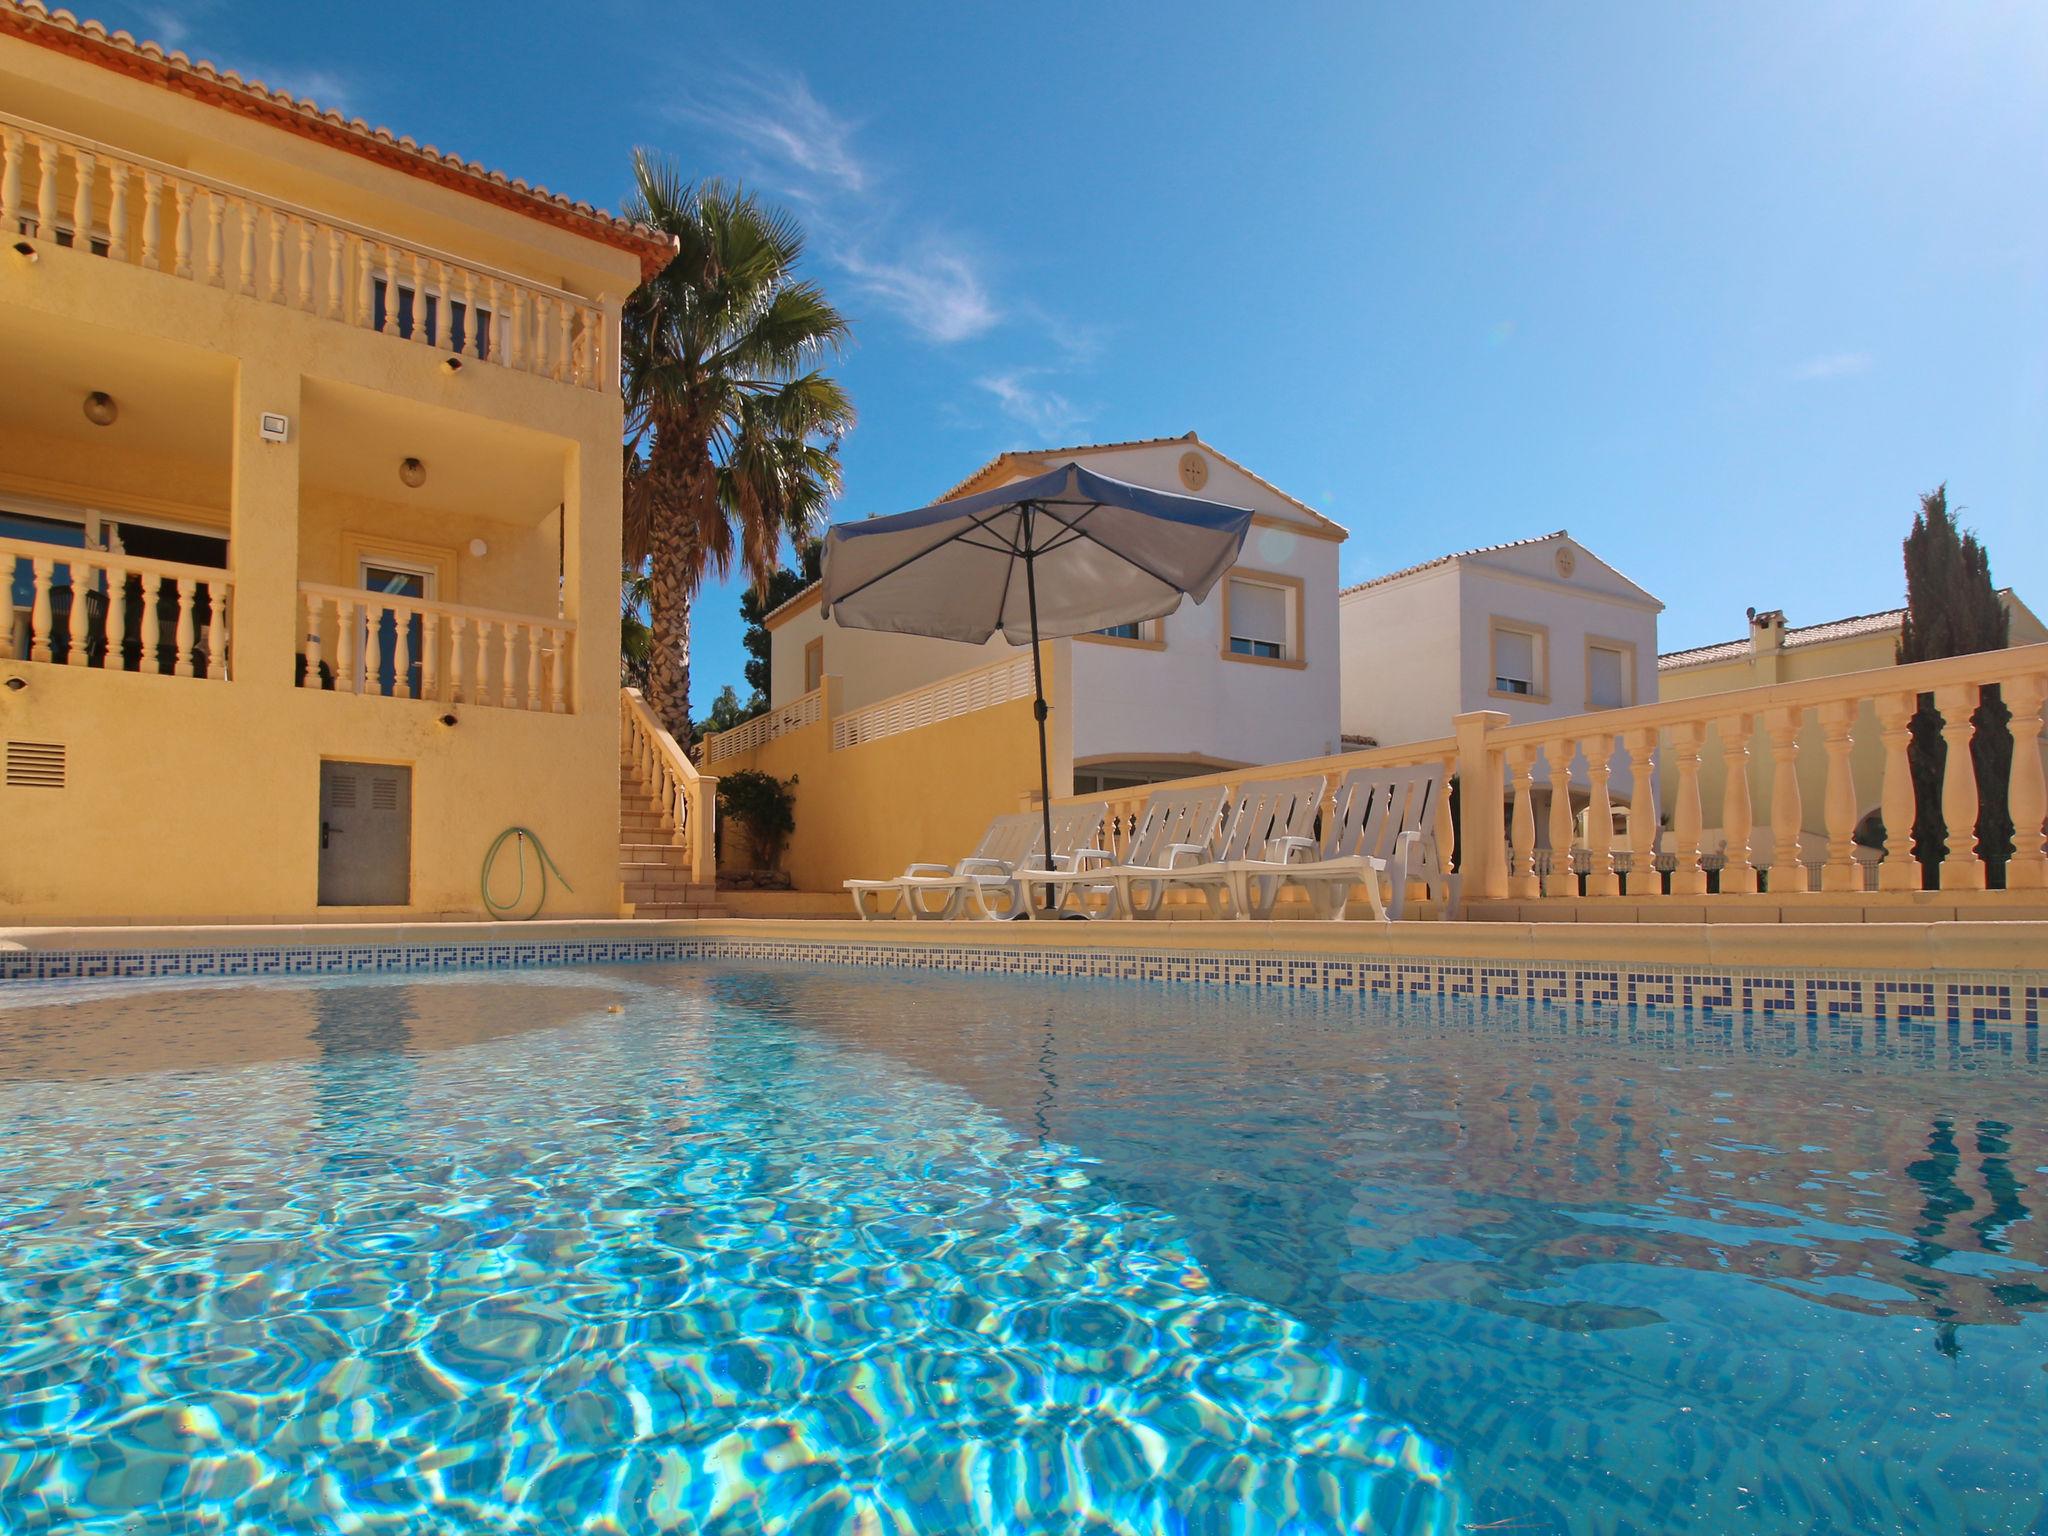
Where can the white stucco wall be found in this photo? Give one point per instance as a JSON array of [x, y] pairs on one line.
[[1129, 703], [1418, 651]]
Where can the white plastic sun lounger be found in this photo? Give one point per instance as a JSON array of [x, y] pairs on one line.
[[988, 872], [1269, 825], [1383, 824], [987, 883], [1176, 826]]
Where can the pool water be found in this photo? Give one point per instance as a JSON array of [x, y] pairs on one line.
[[711, 1248]]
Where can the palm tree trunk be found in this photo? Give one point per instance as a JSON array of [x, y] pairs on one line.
[[668, 658]]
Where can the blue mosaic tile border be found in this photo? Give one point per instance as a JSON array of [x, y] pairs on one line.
[[1991, 1009]]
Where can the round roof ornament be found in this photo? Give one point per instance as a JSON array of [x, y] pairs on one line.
[[1194, 470]]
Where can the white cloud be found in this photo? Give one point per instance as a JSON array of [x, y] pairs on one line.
[[805, 144], [936, 291], [1833, 365], [1044, 411]]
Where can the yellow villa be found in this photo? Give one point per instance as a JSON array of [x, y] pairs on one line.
[[309, 505]]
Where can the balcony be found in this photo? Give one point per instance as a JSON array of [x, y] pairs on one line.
[[124, 208], [390, 646], [91, 608]]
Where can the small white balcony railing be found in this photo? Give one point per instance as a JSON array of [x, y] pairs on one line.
[[93, 608], [408, 648], [141, 212]]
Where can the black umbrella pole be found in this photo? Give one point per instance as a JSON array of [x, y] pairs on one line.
[[1038, 703]]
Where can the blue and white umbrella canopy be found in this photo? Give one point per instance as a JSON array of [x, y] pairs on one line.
[[1065, 553], [1099, 552]]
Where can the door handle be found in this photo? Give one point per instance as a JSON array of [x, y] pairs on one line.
[[327, 827]]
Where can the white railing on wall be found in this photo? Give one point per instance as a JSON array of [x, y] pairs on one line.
[[127, 208], [951, 697], [94, 608], [403, 647], [688, 798], [764, 728]]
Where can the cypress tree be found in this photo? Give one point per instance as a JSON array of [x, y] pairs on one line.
[[1952, 609]]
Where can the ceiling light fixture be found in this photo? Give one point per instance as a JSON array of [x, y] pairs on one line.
[[412, 472], [100, 409]]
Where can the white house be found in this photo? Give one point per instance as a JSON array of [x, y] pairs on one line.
[[1249, 676], [1537, 628]]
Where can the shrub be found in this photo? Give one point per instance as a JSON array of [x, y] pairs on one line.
[[765, 805]]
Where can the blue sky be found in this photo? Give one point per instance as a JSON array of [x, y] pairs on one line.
[[1720, 289]]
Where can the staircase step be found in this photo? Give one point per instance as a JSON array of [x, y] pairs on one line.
[[685, 891], [673, 910], [653, 855]]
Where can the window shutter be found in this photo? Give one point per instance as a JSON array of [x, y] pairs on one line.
[[1259, 613], [1514, 656], [1606, 684]]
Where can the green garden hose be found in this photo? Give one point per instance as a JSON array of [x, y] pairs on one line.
[[509, 908]]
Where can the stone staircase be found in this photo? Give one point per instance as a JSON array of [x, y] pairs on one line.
[[654, 863]]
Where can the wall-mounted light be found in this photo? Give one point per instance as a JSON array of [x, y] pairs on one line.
[[479, 548], [452, 363], [24, 250], [412, 472], [100, 409]]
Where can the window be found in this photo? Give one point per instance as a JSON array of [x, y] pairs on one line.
[[814, 664], [1519, 663], [1147, 634], [1610, 674], [1262, 618], [1119, 632]]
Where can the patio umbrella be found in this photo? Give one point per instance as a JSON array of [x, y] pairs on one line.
[[1068, 552]]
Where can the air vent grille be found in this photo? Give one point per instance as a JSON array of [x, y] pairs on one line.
[[35, 765], [341, 791], [383, 794]]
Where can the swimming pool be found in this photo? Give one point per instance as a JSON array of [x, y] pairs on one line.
[[724, 1247]]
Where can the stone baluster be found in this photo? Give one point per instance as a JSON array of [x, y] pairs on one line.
[[216, 255], [186, 631], [480, 691], [46, 189], [337, 279], [1446, 823], [12, 146], [390, 325], [316, 608], [182, 194], [76, 626], [430, 654], [537, 636], [1787, 874], [365, 282], [422, 314], [39, 615], [1841, 872], [1522, 882], [539, 356], [118, 175], [1688, 878], [445, 309], [2026, 792], [457, 689], [508, 693], [1639, 746], [1601, 880], [496, 344], [345, 637], [1738, 875], [1897, 803], [217, 634], [117, 620], [558, 671], [1961, 869], [83, 165], [514, 329], [245, 253], [562, 366], [152, 220], [402, 654], [151, 638], [303, 293], [1561, 881], [275, 273], [469, 320]]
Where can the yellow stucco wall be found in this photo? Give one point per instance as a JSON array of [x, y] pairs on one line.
[[923, 796], [188, 798]]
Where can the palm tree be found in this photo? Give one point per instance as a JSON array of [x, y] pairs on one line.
[[732, 433]]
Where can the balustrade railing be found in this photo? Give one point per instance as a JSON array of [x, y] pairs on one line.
[[764, 728], [127, 208], [404, 647], [96, 608], [948, 699], [687, 797]]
